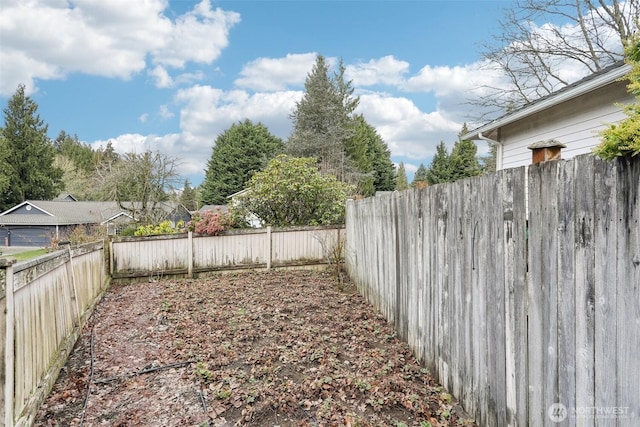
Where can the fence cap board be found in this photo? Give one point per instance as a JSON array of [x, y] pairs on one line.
[[6, 262]]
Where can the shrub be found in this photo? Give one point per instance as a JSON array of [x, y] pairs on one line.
[[164, 227], [210, 223], [623, 139], [82, 234], [213, 222]]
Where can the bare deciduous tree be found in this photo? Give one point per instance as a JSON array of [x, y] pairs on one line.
[[139, 182], [547, 44]]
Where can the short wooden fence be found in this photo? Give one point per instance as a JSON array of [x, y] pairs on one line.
[[188, 254], [44, 304]]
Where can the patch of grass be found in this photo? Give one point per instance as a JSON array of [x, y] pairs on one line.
[[27, 255]]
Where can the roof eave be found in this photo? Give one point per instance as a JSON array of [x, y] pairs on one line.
[[537, 106]]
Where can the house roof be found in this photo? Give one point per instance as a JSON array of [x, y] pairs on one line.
[[588, 84], [57, 212], [216, 208]]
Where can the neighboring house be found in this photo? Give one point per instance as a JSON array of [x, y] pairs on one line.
[[252, 219], [215, 208], [37, 222], [572, 116]]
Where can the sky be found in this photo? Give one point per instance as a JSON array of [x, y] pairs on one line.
[[173, 75]]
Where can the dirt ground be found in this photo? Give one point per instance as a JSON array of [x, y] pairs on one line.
[[277, 348]]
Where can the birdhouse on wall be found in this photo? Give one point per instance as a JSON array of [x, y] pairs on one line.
[[543, 151]]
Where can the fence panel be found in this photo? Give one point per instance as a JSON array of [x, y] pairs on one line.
[[233, 250], [46, 304], [150, 255], [444, 258], [513, 313], [627, 284], [183, 254]]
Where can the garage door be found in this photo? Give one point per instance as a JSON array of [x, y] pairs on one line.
[[31, 236]]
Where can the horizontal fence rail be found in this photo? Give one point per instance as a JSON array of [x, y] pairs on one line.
[[46, 303], [529, 318], [189, 254]]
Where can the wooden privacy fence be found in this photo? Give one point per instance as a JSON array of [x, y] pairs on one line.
[[189, 254], [44, 304], [527, 319]]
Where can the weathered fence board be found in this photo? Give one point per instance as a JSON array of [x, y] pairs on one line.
[[47, 302], [515, 311], [185, 254], [627, 282]]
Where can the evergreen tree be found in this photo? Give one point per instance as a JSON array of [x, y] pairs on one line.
[[440, 169], [29, 152], [372, 157], [105, 157], [402, 183], [385, 170], [489, 161], [81, 154], [464, 162], [5, 169], [322, 121], [238, 153], [420, 177], [189, 197]]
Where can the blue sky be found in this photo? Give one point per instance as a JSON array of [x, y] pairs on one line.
[[173, 75]]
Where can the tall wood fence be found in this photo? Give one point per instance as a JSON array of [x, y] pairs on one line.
[[44, 304], [189, 254], [529, 320]]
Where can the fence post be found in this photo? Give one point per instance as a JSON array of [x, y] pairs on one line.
[[6, 286], [190, 255], [268, 247]]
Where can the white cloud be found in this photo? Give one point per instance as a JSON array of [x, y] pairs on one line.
[[207, 112], [386, 70], [276, 74], [198, 36], [161, 77], [165, 113], [143, 118], [178, 146], [408, 131], [104, 38], [445, 81], [189, 78]]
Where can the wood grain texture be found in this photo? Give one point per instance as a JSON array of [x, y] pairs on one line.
[[516, 304]]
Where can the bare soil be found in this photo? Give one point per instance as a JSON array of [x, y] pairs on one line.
[[277, 348]]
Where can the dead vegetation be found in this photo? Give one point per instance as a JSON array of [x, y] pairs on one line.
[[271, 348]]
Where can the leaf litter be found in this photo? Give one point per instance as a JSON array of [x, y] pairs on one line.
[[270, 348]]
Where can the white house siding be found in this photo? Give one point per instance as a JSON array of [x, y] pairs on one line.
[[575, 123]]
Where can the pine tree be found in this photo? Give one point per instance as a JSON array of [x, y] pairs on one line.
[[464, 163], [29, 152], [402, 183], [489, 161], [189, 197], [322, 122], [5, 169], [440, 169], [372, 157], [238, 153], [420, 177], [81, 154]]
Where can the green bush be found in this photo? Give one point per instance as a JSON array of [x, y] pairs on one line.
[[623, 139], [164, 227]]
